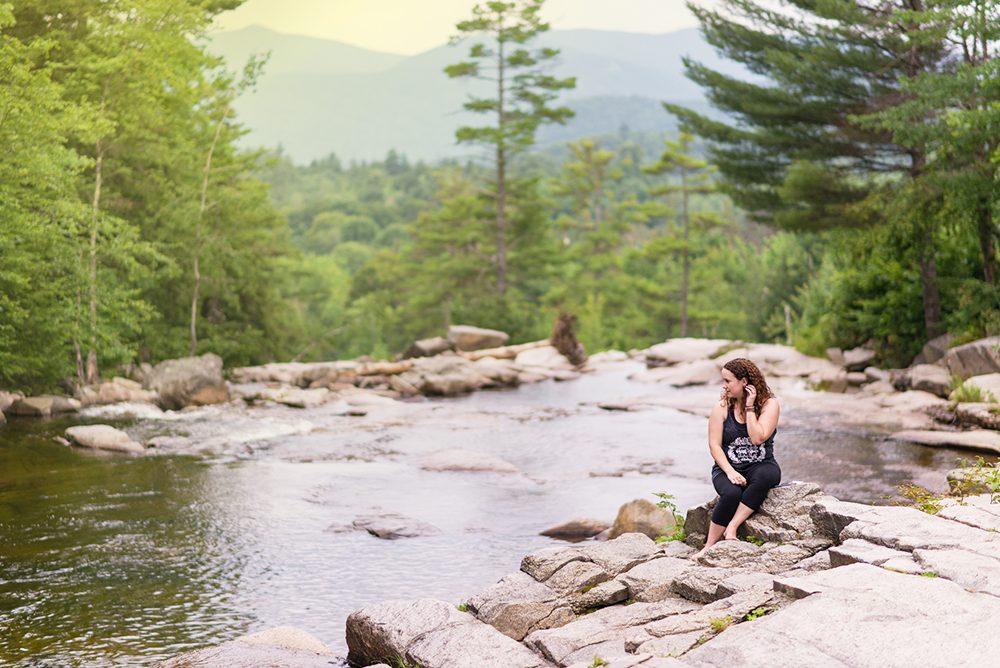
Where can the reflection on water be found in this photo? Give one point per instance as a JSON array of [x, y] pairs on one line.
[[109, 560]]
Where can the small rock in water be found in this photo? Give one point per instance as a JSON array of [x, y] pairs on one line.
[[390, 526], [577, 529], [460, 459], [32, 407], [103, 437], [641, 516], [281, 647]]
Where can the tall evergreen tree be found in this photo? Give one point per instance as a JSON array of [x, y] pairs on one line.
[[520, 105]]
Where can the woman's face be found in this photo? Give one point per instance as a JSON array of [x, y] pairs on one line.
[[732, 385]]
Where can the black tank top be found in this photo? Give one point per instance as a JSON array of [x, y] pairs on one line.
[[739, 449]]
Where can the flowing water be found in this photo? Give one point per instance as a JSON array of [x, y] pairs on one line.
[[114, 560]]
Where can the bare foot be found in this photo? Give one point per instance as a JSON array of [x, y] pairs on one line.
[[733, 537], [694, 557]]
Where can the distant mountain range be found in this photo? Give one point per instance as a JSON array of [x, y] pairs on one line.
[[320, 96]]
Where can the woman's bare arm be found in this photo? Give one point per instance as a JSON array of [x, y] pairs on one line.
[[760, 427]]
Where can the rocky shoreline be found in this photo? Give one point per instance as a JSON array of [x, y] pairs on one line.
[[816, 582]]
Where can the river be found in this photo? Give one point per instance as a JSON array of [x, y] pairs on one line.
[[113, 560]]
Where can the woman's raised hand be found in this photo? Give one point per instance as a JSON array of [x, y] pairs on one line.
[[751, 393]]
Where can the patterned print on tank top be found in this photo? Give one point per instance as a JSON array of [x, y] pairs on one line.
[[743, 451]]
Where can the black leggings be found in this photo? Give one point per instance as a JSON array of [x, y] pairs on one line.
[[760, 479]]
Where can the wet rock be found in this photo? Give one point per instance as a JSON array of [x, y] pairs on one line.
[[390, 526], [675, 351], [63, 404], [103, 437], [431, 633], [190, 381], [986, 441], [576, 529], [653, 581], [280, 647], [974, 359], [642, 516], [428, 347], [467, 338], [518, 605], [31, 407], [460, 459]]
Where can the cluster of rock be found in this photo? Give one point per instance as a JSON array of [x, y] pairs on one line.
[[824, 583]]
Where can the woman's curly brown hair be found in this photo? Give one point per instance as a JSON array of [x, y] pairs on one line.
[[742, 368]]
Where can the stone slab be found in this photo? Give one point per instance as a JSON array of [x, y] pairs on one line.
[[981, 440]]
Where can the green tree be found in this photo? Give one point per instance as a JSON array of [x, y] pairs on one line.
[[694, 177], [519, 107], [800, 158]]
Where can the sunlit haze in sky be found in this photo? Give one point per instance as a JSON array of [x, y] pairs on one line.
[[413, 26]]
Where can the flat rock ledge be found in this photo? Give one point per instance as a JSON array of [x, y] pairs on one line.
[[822, 583]]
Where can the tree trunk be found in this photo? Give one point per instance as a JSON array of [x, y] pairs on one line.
[[501, 180], [986, 245], [932, 300], [91, 375], [687, 259]]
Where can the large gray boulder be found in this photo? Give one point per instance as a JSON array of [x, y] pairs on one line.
[[433, 634], [467, 338], [103, 437], [988, 386], [189, 381], [934, 350], [31, 407], [280, 647], [974, 359], [785, 515], [428, 347]]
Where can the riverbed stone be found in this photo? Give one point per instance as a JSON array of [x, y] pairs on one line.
[[981, 440], [642, 516], [433, 634], [428, 347], [576, 529], [460, 459], [468, 338], [103, 437], [31, 407], [280, 647], [653, 580], [518, 605], [866, 617], [785, 514], [606, 593], [744, 581], [189, 381], [390, 526], [974, 359], [700, 584], [63, 404], [445, 375]]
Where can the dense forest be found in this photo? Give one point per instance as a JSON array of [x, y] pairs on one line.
[[852, 202]]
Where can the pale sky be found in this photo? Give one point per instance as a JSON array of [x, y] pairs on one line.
[[413, 26]]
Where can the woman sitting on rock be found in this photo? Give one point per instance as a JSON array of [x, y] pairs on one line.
[[741, 439]]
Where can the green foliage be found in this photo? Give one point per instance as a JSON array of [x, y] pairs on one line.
[[666, 502], [971, 393], [720, 624], [598, 661], [755, 613], [754, 540]]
